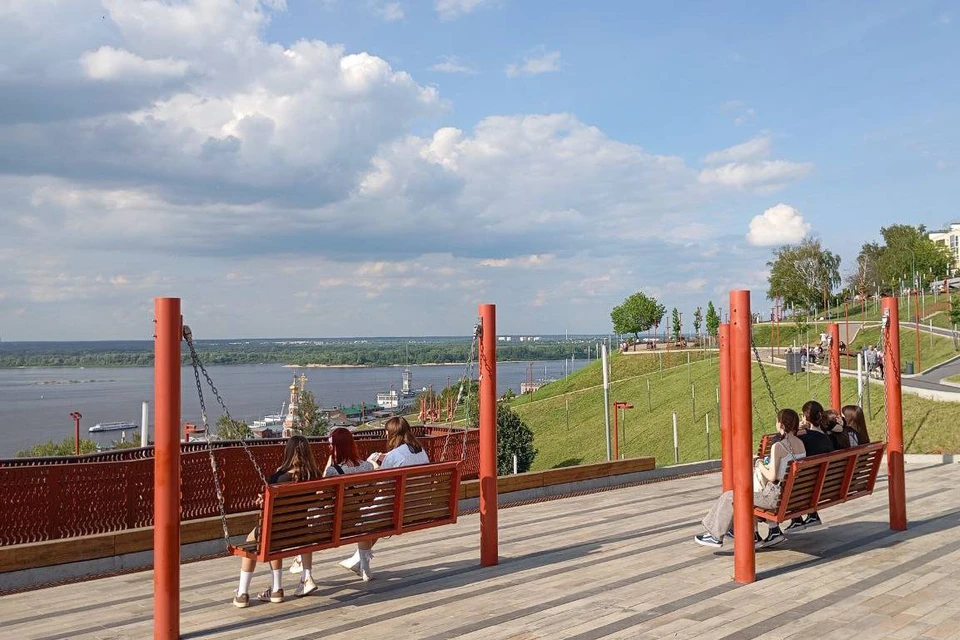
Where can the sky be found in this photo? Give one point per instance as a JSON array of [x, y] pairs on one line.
[[370, 167]]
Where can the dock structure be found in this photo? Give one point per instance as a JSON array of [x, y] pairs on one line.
[[619, 563]]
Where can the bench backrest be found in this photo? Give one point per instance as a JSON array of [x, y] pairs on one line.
[[309, 516], [819, 481]]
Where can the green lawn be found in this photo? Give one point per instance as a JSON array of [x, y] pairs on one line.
[[928, 426], [933, 349], [955, 379], [763, 334]]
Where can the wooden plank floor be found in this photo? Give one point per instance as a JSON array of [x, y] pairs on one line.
[[618, 564]]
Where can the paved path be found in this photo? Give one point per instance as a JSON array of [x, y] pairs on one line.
[[618, 564]]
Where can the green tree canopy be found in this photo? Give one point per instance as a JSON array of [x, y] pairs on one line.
[[307, 419], [514, 438], [636, 314], [50, 449], [904, 248], [677, 327], [955, 309], [698, 320], [713, 320], [803, 275], [230, 429]]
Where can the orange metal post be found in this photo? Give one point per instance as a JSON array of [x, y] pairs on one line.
[[891, 372], [616, 431], [846, 329], [726, 415], [834, 331], [166, 469], [744, 557], [489, 554]]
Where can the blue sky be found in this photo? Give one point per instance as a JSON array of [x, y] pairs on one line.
[[370, 167]]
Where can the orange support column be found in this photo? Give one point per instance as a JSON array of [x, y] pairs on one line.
[[726, 414], [834, 331], [166, 469], [489, 553], [744, 557], [891, 373]]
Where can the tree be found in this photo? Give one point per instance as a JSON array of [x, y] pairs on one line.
[[713, 320], [803, 275], [800, 320], [698, 320], [307, 418], [636, 314], [508, 395], [230, 429], [955, 309], [865, 278], [907, 249], [51, 449], [677, 327], [514, 438]]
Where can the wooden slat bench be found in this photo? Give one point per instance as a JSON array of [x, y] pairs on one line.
[[817, 482], [304, 517]]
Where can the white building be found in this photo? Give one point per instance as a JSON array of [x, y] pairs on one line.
[[949, 238]]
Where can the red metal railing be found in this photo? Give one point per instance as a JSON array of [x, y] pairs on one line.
[[49, 499]]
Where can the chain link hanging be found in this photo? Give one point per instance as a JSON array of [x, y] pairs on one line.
[[763, 373], [466, 382], [198, 368]]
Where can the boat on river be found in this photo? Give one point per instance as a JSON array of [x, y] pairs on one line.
[[101, 427]]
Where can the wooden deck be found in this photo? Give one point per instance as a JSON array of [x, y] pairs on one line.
[[619, 564]]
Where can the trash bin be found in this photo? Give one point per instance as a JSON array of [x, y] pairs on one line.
[[794, 363], [908, 368]]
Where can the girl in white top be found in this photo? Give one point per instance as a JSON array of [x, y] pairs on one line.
[[405, 451], [344, 459]]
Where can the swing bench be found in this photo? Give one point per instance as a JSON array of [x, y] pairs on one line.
[[821, 481], [304, 517]]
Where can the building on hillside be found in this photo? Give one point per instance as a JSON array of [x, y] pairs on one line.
[[949, 238]]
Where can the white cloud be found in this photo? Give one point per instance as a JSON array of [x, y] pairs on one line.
[[753, 149], [391, 12], [451, 64], [535, 64], [523, 262], [768, 174], [780, 224], [107, 63], [453, 9]]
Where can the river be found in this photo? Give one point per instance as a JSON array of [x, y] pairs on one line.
[[35, 404]]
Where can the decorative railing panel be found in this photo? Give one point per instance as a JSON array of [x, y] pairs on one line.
[[53, 499]]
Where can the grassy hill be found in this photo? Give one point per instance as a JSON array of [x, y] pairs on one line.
[[934, 349], [928, 426]]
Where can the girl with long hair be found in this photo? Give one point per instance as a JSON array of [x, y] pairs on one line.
[[344, 459], [719, 520], [299, 465], [857, 423], [405, 451]]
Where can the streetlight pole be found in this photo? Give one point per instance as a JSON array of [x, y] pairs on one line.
[[76, 427]]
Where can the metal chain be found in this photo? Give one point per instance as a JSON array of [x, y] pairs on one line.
[[763, 373], [195, 361], [465, 380], [223, 406]]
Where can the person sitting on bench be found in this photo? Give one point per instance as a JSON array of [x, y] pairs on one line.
[[766, 488], [405, 451], [816, 441], [299, 465], [344, 459], [857, 425]]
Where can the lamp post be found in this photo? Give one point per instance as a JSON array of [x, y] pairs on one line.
[[76, 430], [617, 406]]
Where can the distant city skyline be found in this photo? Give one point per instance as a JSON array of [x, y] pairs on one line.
[[375, 168]]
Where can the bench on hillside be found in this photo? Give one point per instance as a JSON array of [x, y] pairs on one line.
[[817, 482], [303, 517]]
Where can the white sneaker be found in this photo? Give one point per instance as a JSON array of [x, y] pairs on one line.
[[365, 557], [351, 564], [306, 587], [296, 567]]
